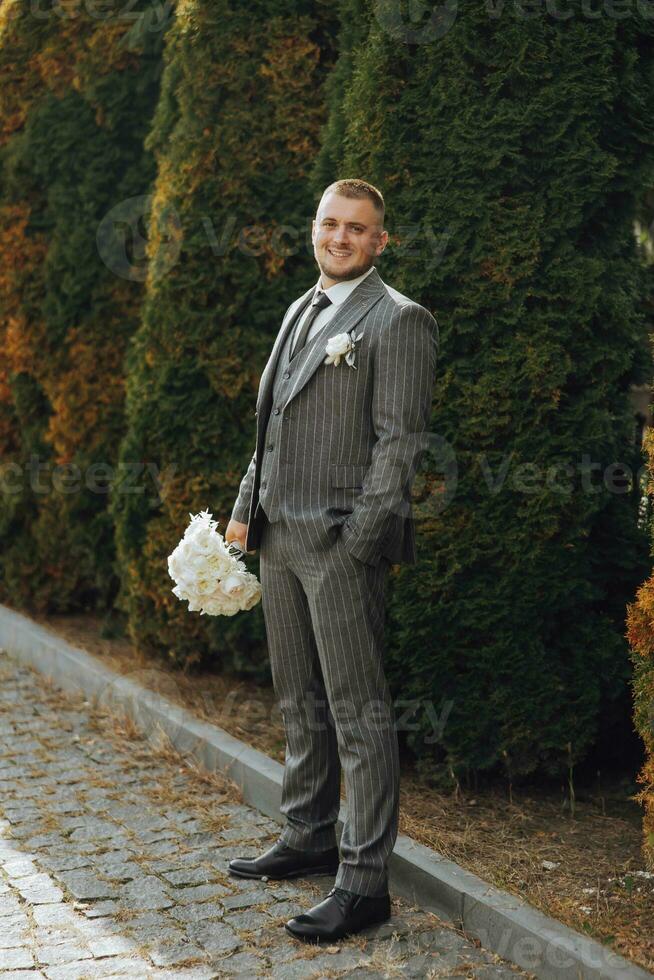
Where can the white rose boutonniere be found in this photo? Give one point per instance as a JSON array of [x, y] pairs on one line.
[[342, 345]]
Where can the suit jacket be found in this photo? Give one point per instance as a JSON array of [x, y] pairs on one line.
[[347, 442]]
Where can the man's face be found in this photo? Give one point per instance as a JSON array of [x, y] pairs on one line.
[[346, 235]]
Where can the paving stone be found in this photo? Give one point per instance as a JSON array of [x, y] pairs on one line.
[[42, 894], [160, 934], [112, 946], [161, 849], [54, 915], [154, 836], [62, 953], [286, 910], [43, 840], [145, 893], [118, 869], [48, 936], [213, 936], [243, 900], [188, 973], [177, 954], [19, 868], [96, 969], [246, 965], [101, 909], [190, 825], [58, 861], [369, 974], [386, 930], [123, 887], [73, 821], [15, 959], [190, 876], [146, 919], [203, 837], [13, 936], [247, 920], [197, 910], [97, 829], [23, 975], [199, 893], [244, 833], [86, 886]]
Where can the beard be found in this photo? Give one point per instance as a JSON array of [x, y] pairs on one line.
[[334, 270]]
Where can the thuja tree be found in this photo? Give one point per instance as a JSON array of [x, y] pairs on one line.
[[76, 95], [353, 29], [235, 131], [640, 632], [512, 152]]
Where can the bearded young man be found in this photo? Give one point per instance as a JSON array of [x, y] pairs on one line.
[[343, 408]]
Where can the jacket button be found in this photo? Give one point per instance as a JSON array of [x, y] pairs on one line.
[[286, 374], [270, 447], [276, 411], [263, 484]]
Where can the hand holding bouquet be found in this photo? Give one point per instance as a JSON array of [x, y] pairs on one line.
[[208, 574]]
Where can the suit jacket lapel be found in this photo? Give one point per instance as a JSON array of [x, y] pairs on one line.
[[348, 314], [266, 380]]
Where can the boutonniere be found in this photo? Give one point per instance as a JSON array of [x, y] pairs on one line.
[[342, 345]]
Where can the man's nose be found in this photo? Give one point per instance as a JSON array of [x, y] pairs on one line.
[[342, 237]]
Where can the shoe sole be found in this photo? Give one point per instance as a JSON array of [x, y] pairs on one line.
[[302, 873], [335, 939]]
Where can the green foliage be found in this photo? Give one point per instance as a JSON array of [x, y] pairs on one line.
[[228, 247], [512, 156], [75, 107], [513, 153]]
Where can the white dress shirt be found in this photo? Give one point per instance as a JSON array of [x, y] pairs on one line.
[[337, 293]]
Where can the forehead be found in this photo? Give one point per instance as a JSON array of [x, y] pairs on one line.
[[347, 209]]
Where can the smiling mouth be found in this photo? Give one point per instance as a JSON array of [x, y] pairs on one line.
[[339, 255]]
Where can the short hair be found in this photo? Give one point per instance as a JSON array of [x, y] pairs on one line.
[[353, 187]]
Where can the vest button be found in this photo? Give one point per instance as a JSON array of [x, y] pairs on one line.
[[286, 374], [263, 484]]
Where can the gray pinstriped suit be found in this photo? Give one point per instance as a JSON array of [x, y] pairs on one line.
[[327, 501]]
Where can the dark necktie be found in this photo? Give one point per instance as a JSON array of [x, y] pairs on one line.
[[320, 302]]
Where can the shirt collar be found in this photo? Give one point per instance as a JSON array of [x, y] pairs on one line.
[[340, 291]]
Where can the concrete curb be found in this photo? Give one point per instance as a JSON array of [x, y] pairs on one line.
[[501, 922]]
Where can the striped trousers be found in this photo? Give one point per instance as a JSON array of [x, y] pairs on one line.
[[324, 615]]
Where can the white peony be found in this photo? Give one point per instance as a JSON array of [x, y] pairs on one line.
[[208, 575]]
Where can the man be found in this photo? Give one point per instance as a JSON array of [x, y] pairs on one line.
[[326, 498]]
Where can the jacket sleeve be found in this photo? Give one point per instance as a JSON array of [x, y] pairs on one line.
[[241, 509], [404, 366]]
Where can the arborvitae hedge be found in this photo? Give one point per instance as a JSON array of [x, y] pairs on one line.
[[512, 152], [640, 632], [353, 30], [76, 94], [236, 128]]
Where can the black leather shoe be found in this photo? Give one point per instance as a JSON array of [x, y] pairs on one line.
[[282, 861], [340, 914]]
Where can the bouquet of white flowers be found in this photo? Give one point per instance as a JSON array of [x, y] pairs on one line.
[[208, 574]]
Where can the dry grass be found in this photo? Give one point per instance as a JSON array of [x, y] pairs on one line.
[[599, 885]]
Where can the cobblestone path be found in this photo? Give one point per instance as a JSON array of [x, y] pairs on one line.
[[113, 855]]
